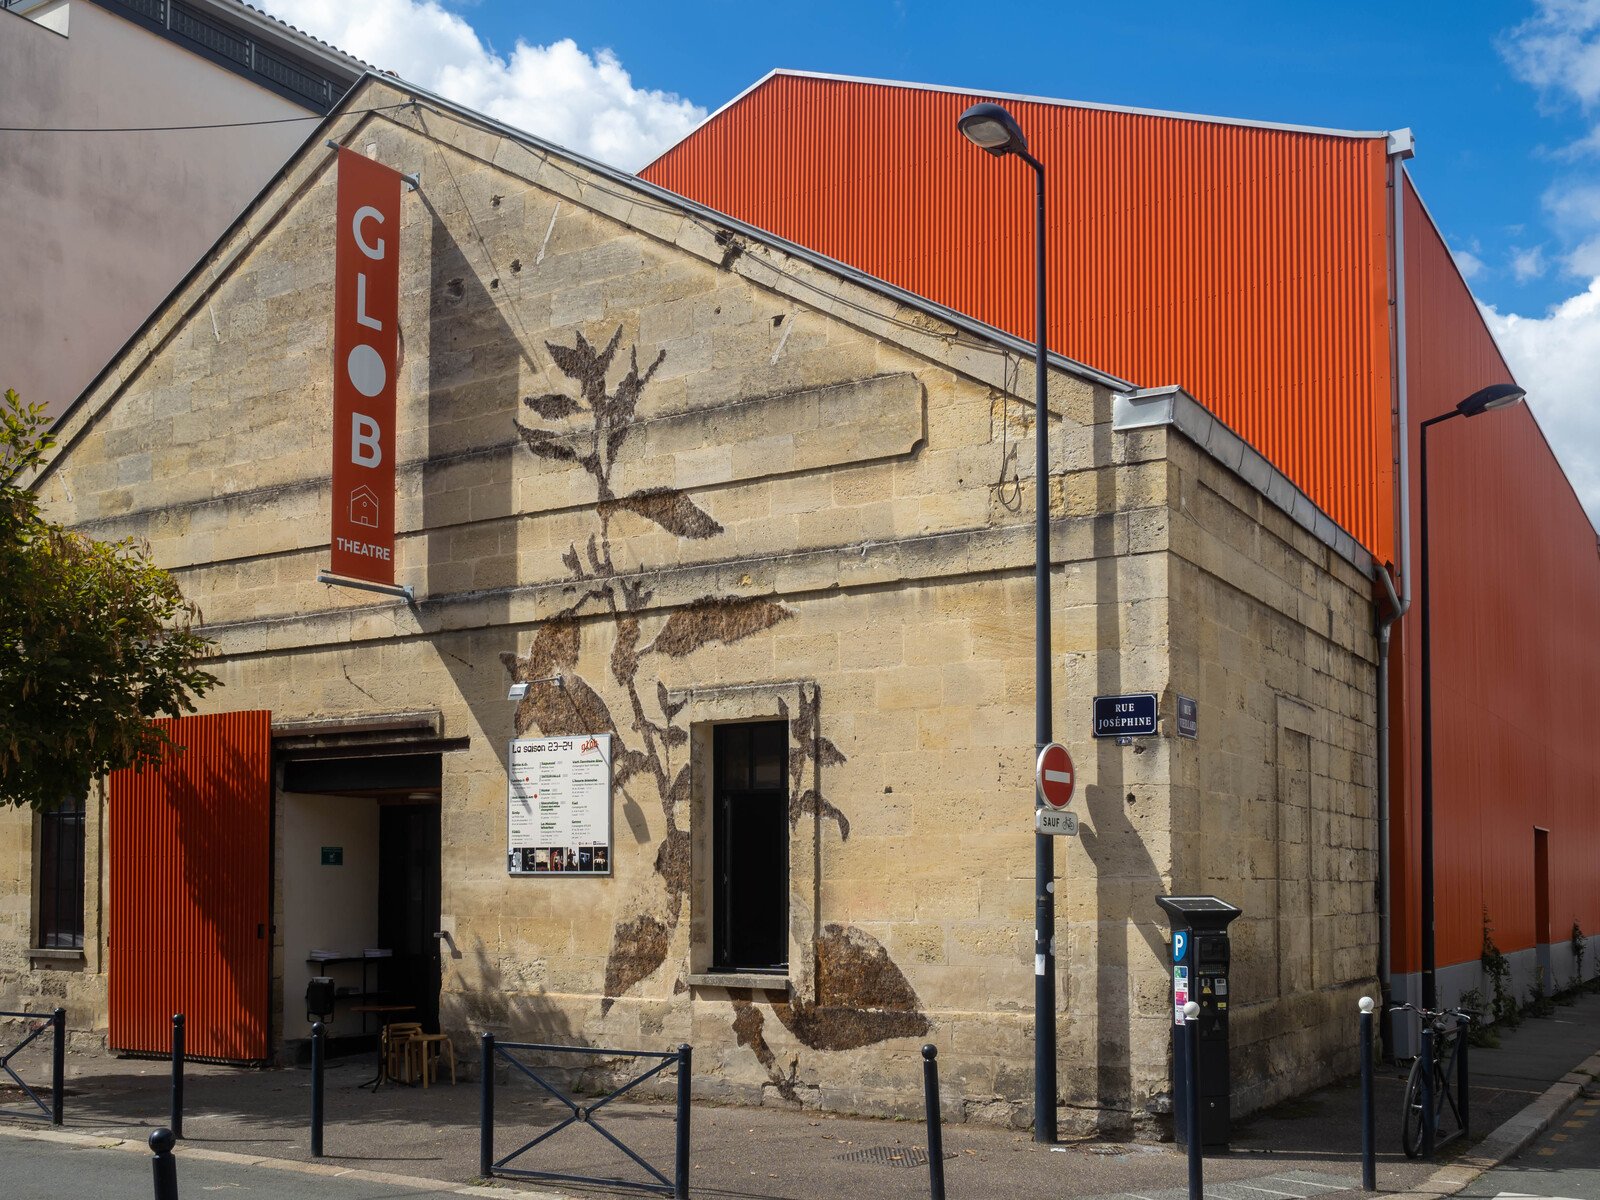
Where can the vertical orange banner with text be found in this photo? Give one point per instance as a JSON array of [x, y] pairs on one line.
[[366, 297]]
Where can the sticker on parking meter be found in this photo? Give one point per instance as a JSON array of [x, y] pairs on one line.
[[1180, 944], [1180, 992]]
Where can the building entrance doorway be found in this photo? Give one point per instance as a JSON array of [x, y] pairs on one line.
[[359, 886]]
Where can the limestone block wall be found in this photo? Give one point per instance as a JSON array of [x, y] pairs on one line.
[[702, 481]]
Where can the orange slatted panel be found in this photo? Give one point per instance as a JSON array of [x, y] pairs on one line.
[[1515, 599], [1248, 265], [191, 846]]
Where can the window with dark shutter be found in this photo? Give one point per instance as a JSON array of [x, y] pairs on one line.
[[61, 877]]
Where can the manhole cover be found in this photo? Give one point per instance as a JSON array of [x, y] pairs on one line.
[[891, 1156]]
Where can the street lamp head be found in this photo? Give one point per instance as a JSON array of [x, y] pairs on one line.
[[990, 127], [1496, 395]]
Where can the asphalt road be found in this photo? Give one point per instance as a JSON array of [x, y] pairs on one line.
[[1565, 1162], [34, 1170]]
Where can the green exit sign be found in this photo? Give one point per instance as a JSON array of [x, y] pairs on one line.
[[333, 856]]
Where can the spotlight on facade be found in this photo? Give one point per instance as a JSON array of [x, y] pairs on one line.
[[1496, 395], [990, 127], [517, 692]]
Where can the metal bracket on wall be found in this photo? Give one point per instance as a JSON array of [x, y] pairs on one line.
[[404, 591]]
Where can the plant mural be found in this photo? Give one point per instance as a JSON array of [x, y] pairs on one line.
[[862, 996]]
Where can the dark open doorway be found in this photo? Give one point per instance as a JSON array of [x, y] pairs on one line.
[[408, 906], [751, 826]]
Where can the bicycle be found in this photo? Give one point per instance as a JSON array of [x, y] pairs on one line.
[[1442, 1062]]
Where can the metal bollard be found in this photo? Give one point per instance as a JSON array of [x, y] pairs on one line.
[[163, 1166], [177, 1075], [1191, 1056], [1429, 1100], [1462, 1099], [685, 1085], [1369, 1149], [930, 1101], [58, 1068], [486, 1111], [318, 1039]]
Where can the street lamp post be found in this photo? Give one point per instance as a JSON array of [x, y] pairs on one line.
[[1498, 395], [992, 129]]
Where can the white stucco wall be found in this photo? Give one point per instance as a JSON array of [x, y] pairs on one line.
[[100, 226]]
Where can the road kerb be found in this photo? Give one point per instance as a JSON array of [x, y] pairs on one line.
[[90, 1141], [1511, 1138]]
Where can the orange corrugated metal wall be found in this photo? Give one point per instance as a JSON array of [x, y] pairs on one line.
[[190, 891], [1248, 265], [1515, 600]]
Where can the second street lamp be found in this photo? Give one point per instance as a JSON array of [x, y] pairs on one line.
[[1496, 395], [992, 129]]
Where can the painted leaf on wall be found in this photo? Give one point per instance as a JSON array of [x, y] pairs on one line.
[[668, 508], [725, 619], [862, 997]]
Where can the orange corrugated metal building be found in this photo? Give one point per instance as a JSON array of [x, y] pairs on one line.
[[1268, 270]]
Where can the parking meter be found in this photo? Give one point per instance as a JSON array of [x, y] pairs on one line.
[[1200, 958]]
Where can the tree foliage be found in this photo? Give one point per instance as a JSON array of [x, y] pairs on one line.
[[96, 641]]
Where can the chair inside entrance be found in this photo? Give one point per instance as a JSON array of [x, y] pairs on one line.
[[411, 1055]]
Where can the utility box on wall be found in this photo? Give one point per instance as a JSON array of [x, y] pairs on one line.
[[1200, 957]]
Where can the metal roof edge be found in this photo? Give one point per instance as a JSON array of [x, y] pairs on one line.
[[1280, 126], [793, 249], [1152, 408]]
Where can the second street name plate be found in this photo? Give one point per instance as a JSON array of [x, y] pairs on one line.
[[1057, 824]]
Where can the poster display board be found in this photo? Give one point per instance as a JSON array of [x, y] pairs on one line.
[[558, 806]]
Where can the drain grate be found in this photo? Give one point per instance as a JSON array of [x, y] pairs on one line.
[[891, 1156]]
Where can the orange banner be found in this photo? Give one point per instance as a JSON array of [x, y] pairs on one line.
[[366, 296]]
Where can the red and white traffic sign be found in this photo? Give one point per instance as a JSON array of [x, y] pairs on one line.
[[1055, 776]]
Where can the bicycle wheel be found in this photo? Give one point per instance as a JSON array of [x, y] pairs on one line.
[[1411, 1114]]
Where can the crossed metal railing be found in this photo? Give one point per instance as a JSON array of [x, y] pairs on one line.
[[56, 1021], [489, 1166]]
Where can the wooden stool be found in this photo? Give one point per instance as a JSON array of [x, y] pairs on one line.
[[428, 1046], [402, 1054]]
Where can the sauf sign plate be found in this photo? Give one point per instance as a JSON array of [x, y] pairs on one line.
[[366, 293]]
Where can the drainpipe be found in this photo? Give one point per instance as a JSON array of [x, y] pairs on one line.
[[1397, 609]]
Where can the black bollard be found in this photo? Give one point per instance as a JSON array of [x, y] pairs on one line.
[[1462, 1044], [930, 1101], [1429, 1100], [685, 1085], [1191, 1058], [486, 1111], [1369, 1149], [58, 1068], [177, 1075], [163, 1166], [318, 1038]]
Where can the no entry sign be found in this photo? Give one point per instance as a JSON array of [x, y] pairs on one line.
[[1055, 775]]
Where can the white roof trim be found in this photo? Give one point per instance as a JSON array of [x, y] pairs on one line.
[[1150, 408]]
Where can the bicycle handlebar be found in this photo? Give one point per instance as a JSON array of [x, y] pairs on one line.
[[1436, 1014]]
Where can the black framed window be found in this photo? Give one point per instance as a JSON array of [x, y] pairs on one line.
[[61, 876], [750, 828]]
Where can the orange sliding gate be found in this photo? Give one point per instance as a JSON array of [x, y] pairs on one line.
[[191, 873]]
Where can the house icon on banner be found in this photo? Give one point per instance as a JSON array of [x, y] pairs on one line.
[[364, 507]]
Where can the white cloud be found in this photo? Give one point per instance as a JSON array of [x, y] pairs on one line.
[[1527, 264], [1558, 49], [1471, 265], [582, 102], [1557, 358]]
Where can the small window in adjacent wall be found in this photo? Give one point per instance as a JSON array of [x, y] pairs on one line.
[[61, 877], [750, 825]]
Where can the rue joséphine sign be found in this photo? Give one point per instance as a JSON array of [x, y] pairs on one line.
[[366, 291]]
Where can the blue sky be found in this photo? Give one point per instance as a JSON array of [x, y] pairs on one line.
[[1485, 137], [1504, 100]]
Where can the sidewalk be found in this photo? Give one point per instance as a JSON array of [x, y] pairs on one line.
[[1302, 1149]]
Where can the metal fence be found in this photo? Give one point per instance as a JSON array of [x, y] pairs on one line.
[[56, 1021], [578, 1114]]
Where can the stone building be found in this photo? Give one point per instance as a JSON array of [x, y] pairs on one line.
[[682, 479]]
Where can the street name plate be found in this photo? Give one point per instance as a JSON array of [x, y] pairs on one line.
[[1125, 716], [1057, 824]]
